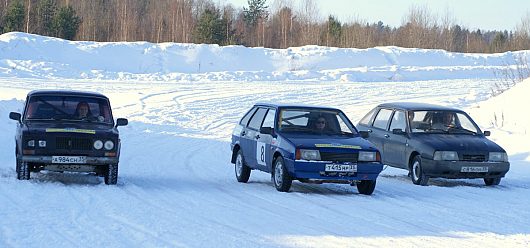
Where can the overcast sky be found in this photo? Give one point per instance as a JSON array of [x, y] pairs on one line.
[[483, 14]]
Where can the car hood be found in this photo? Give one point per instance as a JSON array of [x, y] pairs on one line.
[[82, 128], [314, 141], [449, 142]]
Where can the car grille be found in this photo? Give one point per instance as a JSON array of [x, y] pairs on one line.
[[69, 143], [339, 157], [474, 158]]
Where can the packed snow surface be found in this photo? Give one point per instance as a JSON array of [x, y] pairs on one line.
[[177, 188]]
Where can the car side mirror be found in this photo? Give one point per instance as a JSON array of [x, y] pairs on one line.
[[487, 133], [121, 122], [398, 131], [364, 134], [15, 116], [266, 130]]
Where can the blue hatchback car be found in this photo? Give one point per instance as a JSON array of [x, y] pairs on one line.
[[305, 143]]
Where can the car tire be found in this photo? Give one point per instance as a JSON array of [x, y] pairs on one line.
[[416, 172], [280, 176], [111, 175], [23, 172], [492, 181], [241, 170], [366, 187]]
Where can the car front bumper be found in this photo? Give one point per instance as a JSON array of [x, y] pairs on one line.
[[453, 169], [316, 170], [89, 160]]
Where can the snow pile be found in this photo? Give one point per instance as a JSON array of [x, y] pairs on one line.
[[507, 114], [33, 56]]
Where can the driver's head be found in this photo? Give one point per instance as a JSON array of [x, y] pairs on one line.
[[448, 117], [320, 123], [82, 109]]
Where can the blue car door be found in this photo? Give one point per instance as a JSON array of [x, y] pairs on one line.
[[252, 136], [263, 143]]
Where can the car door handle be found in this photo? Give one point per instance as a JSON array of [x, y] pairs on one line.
[[257, 136], [387, 136]]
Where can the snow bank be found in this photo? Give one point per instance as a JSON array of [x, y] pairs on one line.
[[507, 114], [32, 56]]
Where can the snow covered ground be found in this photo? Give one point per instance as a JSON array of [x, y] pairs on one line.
[[177, 188]]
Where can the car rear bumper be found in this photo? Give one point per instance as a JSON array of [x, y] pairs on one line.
[[316, 170], [453, 169], [89, 160]]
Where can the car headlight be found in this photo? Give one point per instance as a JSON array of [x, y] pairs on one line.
[[98, 144], [368, 156], [31, 143], [445, 155], [498, 157], [42, 143], [305, 154], [109, 145]]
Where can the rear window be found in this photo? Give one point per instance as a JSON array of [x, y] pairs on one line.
[[382, 118], [71, 108], [367, 118]]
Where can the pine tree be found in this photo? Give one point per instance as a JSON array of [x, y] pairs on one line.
[[211, 28], [256, 10], [66, 23], [333, 31], [14, 19], [46, 10]]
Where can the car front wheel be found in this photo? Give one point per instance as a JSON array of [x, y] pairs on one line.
[[416, 172], [366, 187], [22, 170], [241, 169], [492, 181], [280, 176], [111, 175]]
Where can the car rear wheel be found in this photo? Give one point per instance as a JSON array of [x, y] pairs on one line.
[[416, 172], [241, 169], [22, 170], [111, 175], [280, 176], [366, 187], [492, 181]]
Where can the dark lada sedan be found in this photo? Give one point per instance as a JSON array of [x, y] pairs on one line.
[[67, 131], [434, 141], [306, 143]]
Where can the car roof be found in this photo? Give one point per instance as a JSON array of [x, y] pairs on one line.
[[291, 105], [66, 92], [416, 106]]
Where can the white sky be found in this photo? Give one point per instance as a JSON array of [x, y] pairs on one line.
[[483, 14]]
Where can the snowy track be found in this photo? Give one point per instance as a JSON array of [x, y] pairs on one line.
[[177, 188]]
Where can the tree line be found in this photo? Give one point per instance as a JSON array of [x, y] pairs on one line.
[[285, 23]]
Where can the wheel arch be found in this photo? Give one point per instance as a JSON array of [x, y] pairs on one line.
[[236, 149], [411, 158]]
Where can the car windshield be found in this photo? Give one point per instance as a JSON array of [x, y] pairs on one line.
[[315, 121], [448, 122], [70, 108]]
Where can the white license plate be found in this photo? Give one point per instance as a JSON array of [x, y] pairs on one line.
[[474, 169], [341, 167], [69, 159]]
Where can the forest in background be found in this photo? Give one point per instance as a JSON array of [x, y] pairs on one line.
[[282, 24]]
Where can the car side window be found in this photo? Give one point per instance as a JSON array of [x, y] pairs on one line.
[[246, 118], [257, 119], [382, 118], [269, 119], [398, 121], [367, 118]]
